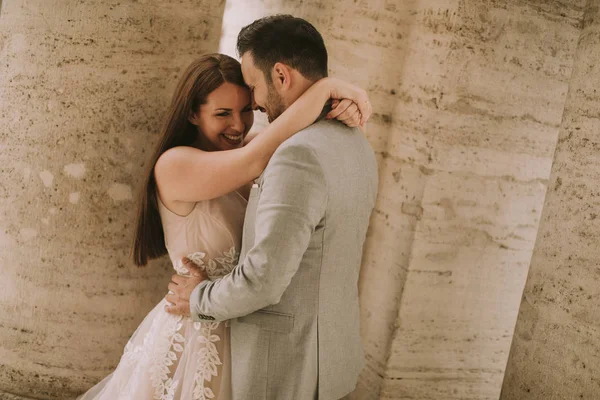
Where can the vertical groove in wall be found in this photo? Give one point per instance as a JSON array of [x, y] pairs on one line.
[[553, 353]]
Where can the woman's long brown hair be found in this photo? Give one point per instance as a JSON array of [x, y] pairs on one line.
[[201, 78]]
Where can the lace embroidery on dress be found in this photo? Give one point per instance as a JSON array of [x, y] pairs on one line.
[[216, 268], [221, 266], [161, 351], [196, 258], [208, 360]]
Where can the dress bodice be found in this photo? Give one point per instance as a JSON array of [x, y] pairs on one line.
[[171, 356], [210, 235]]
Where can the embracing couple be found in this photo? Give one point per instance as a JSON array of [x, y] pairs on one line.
[[265, 232]]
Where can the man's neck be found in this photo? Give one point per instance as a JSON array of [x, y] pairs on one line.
[[301, 85]]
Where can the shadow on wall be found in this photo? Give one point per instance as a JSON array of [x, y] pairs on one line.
[[369, 44]]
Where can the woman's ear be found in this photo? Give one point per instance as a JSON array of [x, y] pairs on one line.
[[194, 118]]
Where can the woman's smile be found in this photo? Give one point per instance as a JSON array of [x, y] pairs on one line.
[[233, 140]]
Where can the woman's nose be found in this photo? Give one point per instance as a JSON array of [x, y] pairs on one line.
[[237, 124]]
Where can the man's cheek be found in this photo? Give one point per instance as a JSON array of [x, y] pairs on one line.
[[261, 102]]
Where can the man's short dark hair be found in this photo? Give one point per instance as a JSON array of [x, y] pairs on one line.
[[286, 39]]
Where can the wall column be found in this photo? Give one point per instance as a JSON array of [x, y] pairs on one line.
[[555, 351], [83, 89]]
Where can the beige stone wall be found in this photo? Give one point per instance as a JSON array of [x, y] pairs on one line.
[[554, 355], [487, 87], [83, 87], [468, 98]]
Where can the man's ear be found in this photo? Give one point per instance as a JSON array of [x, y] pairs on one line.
[[281, 76]]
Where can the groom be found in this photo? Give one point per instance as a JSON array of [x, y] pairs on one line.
[[294, 292]]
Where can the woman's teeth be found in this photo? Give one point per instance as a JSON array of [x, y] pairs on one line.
[[234, 138]]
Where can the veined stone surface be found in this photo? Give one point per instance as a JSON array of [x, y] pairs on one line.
[[555, 351], [83, 87], [468, 99], [488, 85]]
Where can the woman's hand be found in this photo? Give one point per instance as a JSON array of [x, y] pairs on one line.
[[341, 90], [345, 111]]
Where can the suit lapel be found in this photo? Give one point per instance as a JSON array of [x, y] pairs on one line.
[[250, 219]]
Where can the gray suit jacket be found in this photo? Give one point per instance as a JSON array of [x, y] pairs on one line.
[[294, 292]]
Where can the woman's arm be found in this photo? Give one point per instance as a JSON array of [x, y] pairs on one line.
[[249, 137], [345, 111], [187, 174]]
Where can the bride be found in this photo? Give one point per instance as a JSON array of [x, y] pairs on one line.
[[199, 216]]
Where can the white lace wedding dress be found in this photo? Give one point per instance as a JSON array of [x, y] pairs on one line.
[[170, 357]]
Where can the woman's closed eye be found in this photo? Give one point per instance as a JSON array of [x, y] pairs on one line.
[[227, 113]]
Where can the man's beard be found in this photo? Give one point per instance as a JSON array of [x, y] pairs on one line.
[[275, 106]]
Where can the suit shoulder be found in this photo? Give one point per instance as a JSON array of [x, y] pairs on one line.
[[298, 158], [302, 147], [296, 149], [328, 125], [316, 135]]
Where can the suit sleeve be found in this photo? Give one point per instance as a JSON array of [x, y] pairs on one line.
[[291, 205]]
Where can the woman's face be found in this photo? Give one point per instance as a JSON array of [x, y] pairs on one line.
[[225, 119]]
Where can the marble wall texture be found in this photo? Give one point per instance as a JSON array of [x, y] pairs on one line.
[[469, 98], [83, 86], [555, 353], [469, 162]]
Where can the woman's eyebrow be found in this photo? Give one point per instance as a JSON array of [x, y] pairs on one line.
[[229, 109]]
